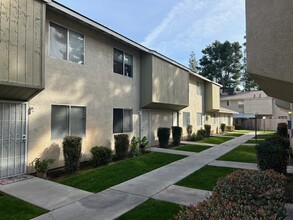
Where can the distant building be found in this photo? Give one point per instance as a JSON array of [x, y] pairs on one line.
[[252, 103]]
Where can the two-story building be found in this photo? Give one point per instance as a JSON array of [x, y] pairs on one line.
[[253, 104], [64, 74]]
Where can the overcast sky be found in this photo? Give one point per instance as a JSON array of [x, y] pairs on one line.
[[171, 27]]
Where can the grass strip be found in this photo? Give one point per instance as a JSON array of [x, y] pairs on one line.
[[96, 180], [193, 148], [13, 208], [216, 140], [205, 178], [152, 209], [242, 153]]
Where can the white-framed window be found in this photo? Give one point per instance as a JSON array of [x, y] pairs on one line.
[[240, 104], [122, 120], [199, 119], [186, 119], [122, 63], [199, 88], [66, 44], [67, 120], [228, 103]]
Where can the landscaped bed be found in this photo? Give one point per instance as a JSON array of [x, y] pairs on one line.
[[96, 180], [242, 153], [152, 209], [205, 178], [193, 148], [12, 208]]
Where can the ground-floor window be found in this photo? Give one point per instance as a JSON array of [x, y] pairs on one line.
[[186, 119], [122, 120], [199, 119], [68, 120]]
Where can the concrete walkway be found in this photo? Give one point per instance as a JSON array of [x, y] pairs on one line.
[[115, 201]]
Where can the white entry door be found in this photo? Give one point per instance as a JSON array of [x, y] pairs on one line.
[[146, 125], [13, 131]]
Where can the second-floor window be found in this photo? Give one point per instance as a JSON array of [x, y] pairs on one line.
[[199, 88], [66, 44], [122, 63]]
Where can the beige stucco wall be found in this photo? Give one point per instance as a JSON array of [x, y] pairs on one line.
[[196, 104], [212, 97], [260, 106], [269, 34], [233, 105], [93, 85], [160, 118], [163, 85]]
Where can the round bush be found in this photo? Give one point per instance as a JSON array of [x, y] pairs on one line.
[[101, 156], [282, 130], [273, 154]]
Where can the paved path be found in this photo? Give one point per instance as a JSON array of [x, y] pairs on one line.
[[115, 201], [66, 203]]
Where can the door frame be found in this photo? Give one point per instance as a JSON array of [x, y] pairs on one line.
[[23, 138]]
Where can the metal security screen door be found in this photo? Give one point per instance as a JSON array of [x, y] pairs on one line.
[[12, 138]]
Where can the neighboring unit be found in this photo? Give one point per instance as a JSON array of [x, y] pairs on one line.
[[64, 74], [254, 104]]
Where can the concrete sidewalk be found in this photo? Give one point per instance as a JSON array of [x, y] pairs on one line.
[[121, 198]]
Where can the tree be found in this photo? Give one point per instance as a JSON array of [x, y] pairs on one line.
[[248, 83], [221, 63], [193, 64]]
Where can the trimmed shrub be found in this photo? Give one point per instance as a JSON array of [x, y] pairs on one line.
[[121, 146], [201, 132], [244, 194], [207, 129], [72, 153], [189, 129], [282, 130], [101, 156], [196, 137], [239, 127], [230, 128], [176, 133], [163, 135], [273, 153], [143, 145], [223, 126]]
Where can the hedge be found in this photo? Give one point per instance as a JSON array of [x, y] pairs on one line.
[[244, 194]]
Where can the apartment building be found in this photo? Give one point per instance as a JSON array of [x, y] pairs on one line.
[[64, 74]]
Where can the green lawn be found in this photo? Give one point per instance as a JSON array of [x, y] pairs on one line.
[[264, 136], [193, 148], [233, 134], [215, 140], [152, 209], [241, 154], [205, 178], [12, 208], [96, 180]]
